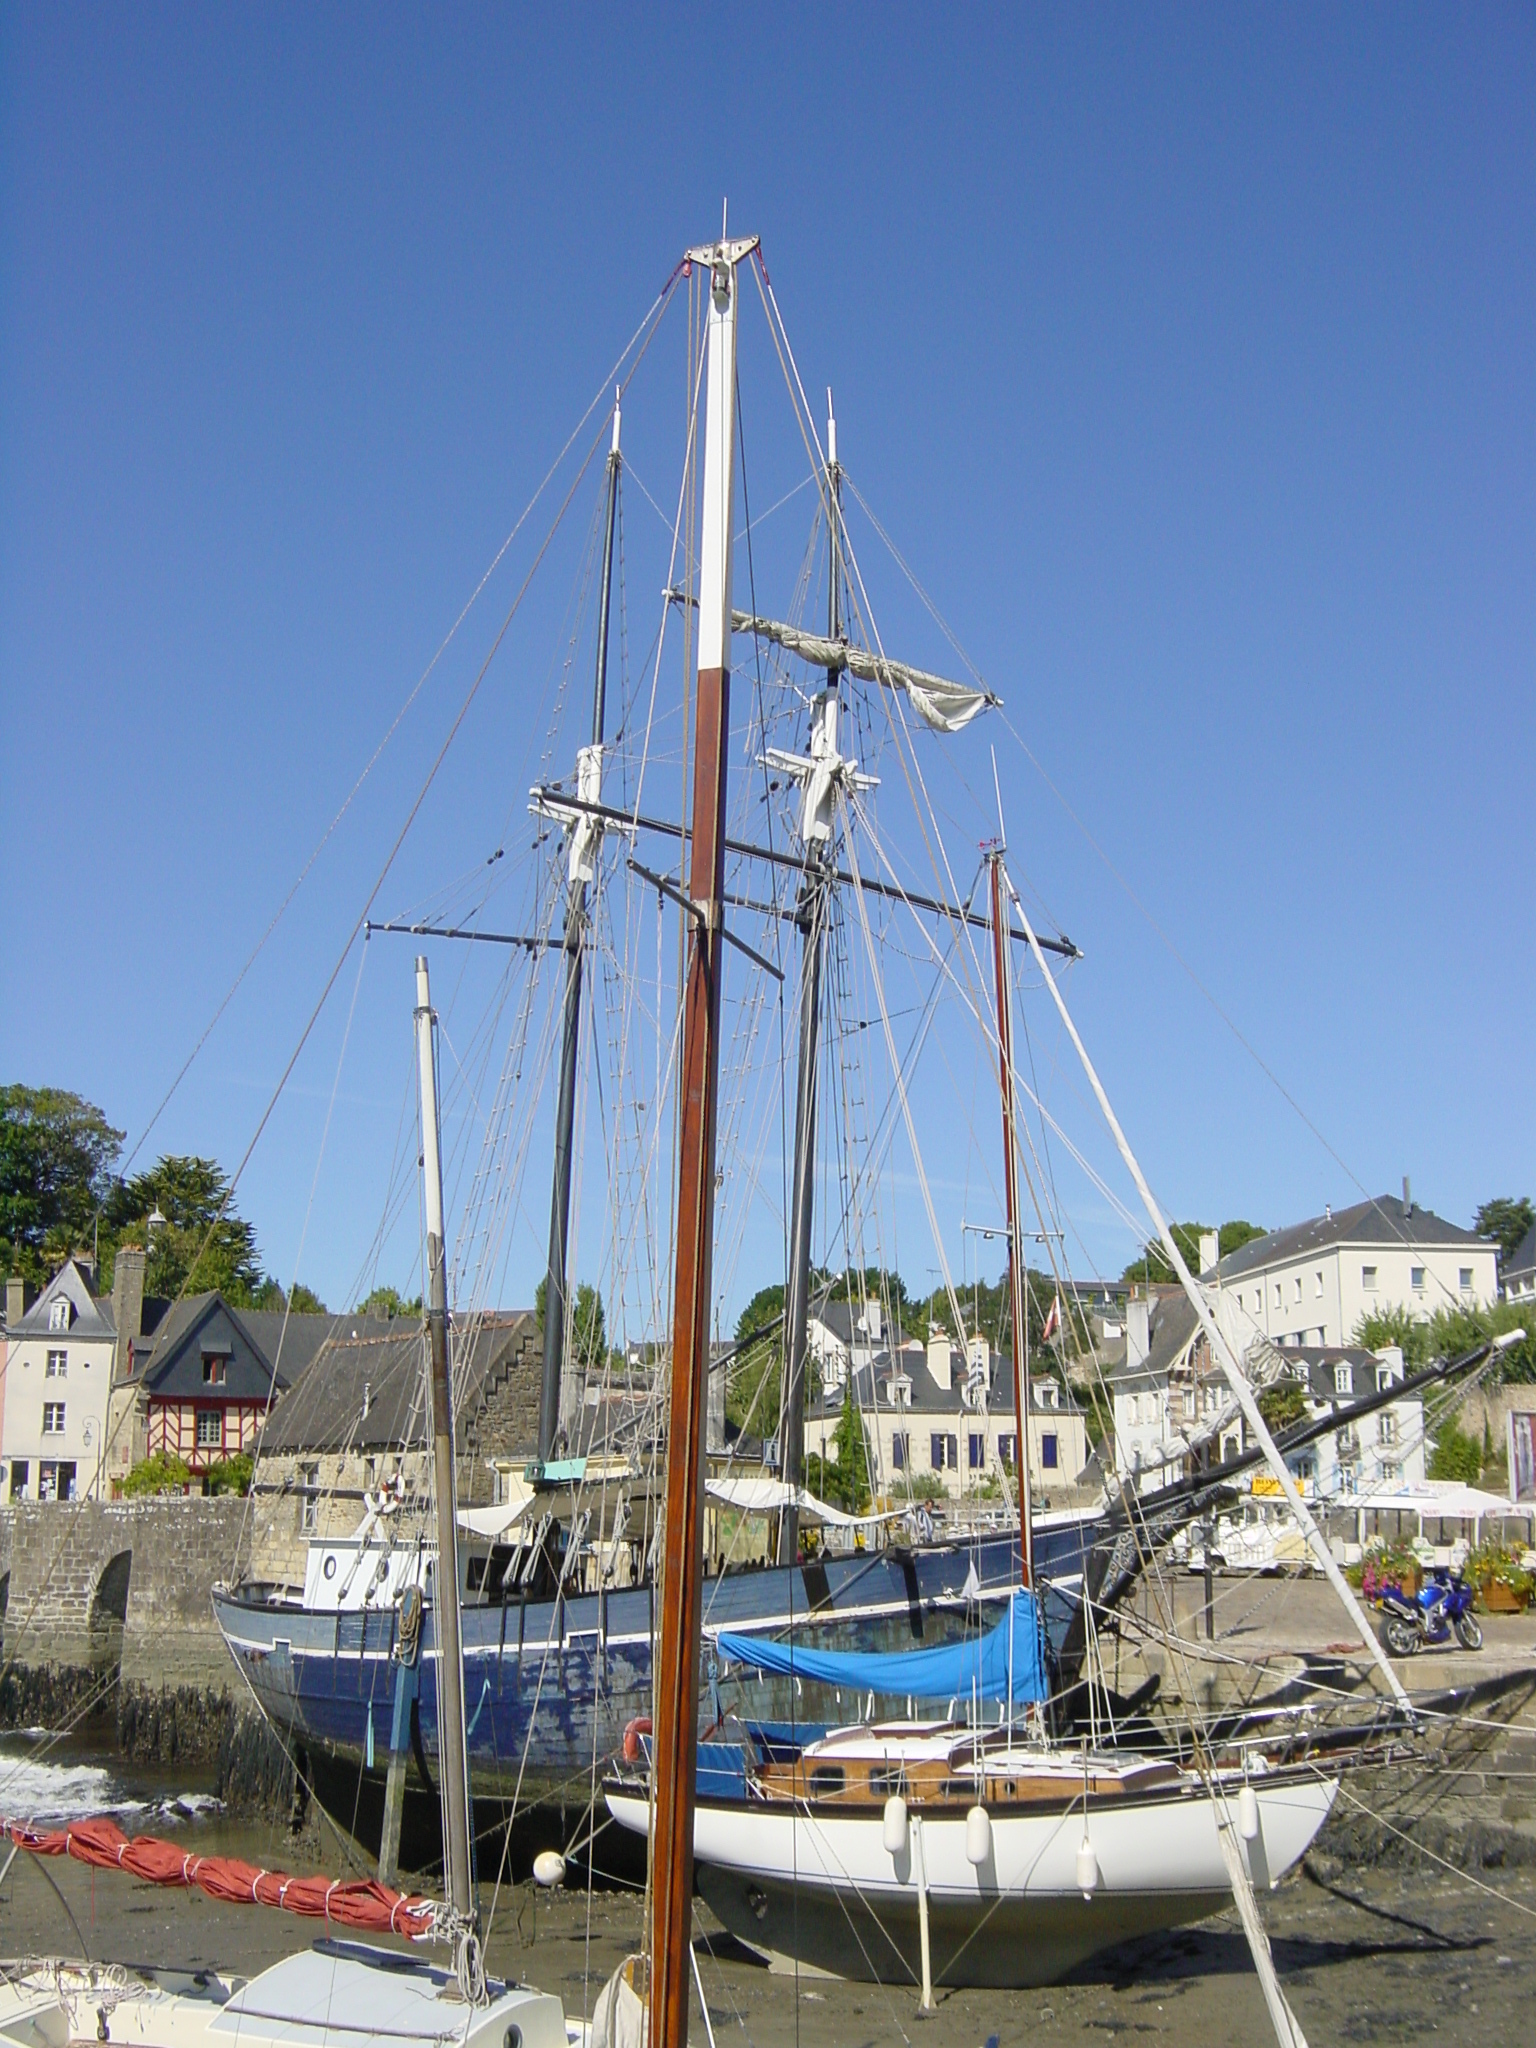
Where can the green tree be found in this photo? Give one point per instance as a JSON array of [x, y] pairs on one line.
[[161, 1473], [301, 1299], [754, 1378], [57, 1152], [1506, 1220], [843, 1479], [389, 1302], [232, 1475], [588, 1323], [1457, 1455], [1451, 1332], [1283, 1403], [1152, 1265], [1385, 1326], [204, 1242]]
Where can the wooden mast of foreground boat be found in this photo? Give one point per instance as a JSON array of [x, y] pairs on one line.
[[676, 1712], [1018, 1302], [452, 1743]]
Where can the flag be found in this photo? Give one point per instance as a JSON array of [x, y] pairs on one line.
[[1052, 1321]]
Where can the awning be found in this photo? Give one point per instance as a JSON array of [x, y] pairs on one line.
[[493, 1522], [752, 1495]]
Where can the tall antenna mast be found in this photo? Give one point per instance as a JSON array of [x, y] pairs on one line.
[[452, 1743], [676, 1709]]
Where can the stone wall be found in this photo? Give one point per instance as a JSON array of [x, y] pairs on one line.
[[89, 1586]]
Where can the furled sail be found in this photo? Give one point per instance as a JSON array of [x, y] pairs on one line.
[[1008, 1662], [939, 702]]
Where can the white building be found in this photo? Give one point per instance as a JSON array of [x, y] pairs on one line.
[[58, 1382], [1517, 1281], [936, 1412], [1313, 1283], [1173, 1406]]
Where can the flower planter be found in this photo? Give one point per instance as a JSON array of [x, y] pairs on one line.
[[1499, 1599]]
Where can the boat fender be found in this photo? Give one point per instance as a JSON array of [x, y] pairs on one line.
[[894, 1826], [633, 1730], [1248, 1813], [549, 1870], [1087, 1869], [978, 1836]]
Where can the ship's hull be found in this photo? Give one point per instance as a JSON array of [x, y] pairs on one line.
[[550, 1686], [820, 1886]]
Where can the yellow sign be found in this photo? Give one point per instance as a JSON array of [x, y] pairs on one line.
[[1267, 1487]]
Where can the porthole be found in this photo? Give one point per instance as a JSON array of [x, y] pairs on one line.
[[330, 1568]]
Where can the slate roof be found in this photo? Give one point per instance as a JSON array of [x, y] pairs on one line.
[[1385, 1222], [1522, 1260], [171, 1362], [1319, 1361], [871, 1382], [325, 1411], [93, 1313], [1173, 1324]]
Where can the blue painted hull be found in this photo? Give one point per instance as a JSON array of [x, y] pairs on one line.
[[550, 1686]]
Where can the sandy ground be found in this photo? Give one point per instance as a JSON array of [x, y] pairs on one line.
[[1368, 1956]]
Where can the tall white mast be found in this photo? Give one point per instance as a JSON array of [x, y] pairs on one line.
[[452, 1743]]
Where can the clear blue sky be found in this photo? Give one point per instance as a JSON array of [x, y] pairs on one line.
[[1190, 356]]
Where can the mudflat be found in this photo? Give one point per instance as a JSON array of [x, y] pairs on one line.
[[1365, 1954]]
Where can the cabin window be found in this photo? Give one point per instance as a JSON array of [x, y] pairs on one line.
[[53, 1418], [1048, 1450], [826, 1781], [210, 1429], [215, 1365], [899, 1451], [57, 1367], [58, 1313], [884, 1782]]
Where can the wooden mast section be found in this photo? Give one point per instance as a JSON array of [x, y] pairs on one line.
[[452, 1743], [676, 1694], [1017, 1290]]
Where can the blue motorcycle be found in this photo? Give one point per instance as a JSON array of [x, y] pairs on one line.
[[1441, 1609]]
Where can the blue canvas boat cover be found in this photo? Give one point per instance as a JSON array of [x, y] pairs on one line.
[[1007, 1662]]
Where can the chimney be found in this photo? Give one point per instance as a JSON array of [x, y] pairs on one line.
[[15, 1300], [1209, 1250], [1407, 1197], [127, 1306], [1138, 1330], [940, 1368]]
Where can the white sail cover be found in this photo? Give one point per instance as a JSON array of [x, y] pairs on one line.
[[939, 702]]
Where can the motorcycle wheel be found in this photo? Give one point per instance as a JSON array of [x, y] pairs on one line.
[[1400, 1636], [1469, 1632]]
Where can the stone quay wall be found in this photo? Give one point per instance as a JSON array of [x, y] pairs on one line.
[[106, 1614]]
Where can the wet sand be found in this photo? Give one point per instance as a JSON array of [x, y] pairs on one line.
[[1364, 1955]]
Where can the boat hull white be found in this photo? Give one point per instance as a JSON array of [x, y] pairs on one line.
[[820, 1886]]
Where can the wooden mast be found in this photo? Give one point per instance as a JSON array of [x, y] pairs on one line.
[[676, 1693], [1017, 1291], [452, 1743]]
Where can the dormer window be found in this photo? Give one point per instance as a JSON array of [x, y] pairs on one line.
[[215, 1366], [1385, 1377], [59, 1313], [1343, 1379]]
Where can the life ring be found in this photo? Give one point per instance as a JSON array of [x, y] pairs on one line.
[[633, 1730]]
